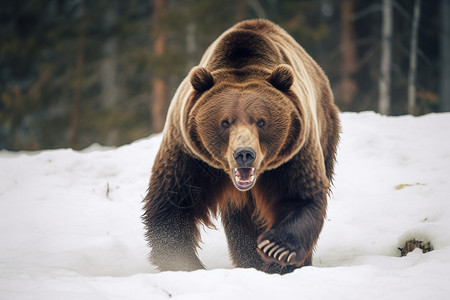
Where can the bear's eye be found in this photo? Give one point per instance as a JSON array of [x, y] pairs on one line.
[[261, 123], [225, 124]]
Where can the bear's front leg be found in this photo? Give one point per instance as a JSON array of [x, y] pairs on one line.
[[242, 234], [291, 242], [299, 217], [172, 240], [171, 206]]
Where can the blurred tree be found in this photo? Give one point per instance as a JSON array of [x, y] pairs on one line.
[[349, 87], [445, 56], [413, 59], [159, 101], [110, 93], [76, 110], [384, 102]]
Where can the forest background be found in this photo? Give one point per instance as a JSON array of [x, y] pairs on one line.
[[77, 72]]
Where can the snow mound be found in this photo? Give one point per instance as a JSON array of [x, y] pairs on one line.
[[70, 223]]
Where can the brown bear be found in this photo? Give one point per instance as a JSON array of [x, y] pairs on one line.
[[251, 134]]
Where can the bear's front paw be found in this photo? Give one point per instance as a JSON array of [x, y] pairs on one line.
[[274, 249]]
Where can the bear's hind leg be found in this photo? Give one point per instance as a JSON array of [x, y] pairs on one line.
[[241, 237]]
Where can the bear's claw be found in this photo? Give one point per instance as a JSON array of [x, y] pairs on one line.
[[272, 250]]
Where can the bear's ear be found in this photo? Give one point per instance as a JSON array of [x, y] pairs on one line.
[[201, 79], [282, 77]]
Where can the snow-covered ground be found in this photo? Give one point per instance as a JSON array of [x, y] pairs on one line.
[[70, 224]]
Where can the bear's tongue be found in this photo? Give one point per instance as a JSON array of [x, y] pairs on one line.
[[244, 178]]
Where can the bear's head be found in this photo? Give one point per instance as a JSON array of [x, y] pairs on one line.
[[243, 127]]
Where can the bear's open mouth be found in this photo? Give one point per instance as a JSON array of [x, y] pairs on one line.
[[244, 178]]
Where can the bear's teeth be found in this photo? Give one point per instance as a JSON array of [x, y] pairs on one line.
[[244, 178], [244, 174]]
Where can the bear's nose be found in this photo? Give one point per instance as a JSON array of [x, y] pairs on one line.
[[244, 156]]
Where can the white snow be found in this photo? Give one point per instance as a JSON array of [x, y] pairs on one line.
[[70, 223]]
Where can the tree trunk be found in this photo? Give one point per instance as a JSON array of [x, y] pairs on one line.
[[241, 11], [349, 55], [159, 103], [444, 101], [191, 45], [108, 73], [76, 110], [413, 59], [257, 8], [108, 68], [384, 101]]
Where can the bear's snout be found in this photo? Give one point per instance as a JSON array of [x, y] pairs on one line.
[[244, 156]]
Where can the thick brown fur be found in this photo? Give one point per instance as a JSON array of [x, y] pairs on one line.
[[255, 88]]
